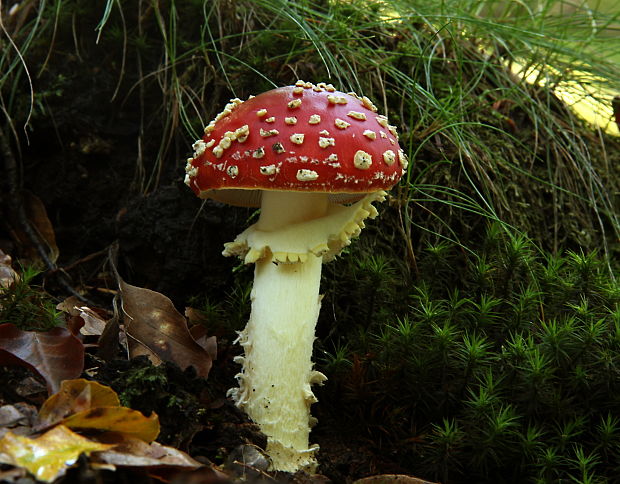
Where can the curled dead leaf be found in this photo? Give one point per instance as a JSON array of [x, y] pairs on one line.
[[56, 354], [200, 336], [82, 319], [156, 329]]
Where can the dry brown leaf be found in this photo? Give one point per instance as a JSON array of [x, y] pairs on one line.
[[40, 222], [37, 214], [156, 329], [200, 336], [19, 418], [31, 389], [94, 324], [56, 354], [48, 456], [137, 453], [82, 319], [8, 276], [392, 479], [69, 305], [11, 416], [112, 336]]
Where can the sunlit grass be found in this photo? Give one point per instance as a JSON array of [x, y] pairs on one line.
[[586, 94], [589, 95]]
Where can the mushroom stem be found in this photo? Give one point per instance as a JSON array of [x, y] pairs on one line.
[[277, 366], [277, 341], [279, 209]]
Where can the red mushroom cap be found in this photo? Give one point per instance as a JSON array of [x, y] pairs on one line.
[[296, 138]]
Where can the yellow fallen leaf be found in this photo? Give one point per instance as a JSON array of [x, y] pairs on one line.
[[123, 420], [75, 396], [49, 455]]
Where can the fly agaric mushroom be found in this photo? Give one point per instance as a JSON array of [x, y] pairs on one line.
[[314, 159]]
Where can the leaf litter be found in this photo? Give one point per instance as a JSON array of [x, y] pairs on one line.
[[84, 417]]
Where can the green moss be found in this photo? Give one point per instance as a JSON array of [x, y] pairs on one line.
[[27, 305], [512, 363], [165, 389]]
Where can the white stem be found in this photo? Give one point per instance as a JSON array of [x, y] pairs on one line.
[[277, 367], [279, 209]]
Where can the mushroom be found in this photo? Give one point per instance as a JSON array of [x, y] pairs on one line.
[[314, 160]]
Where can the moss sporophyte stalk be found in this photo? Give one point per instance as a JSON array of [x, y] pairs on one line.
[[298, 152]]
